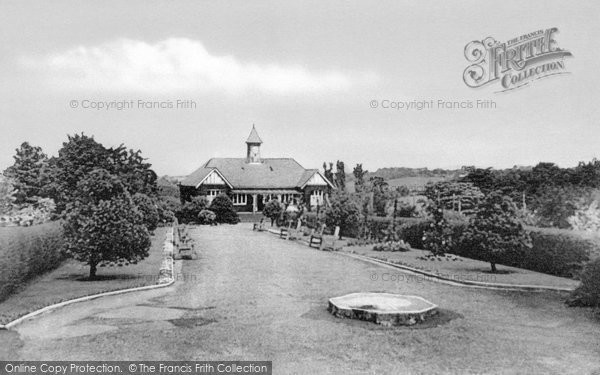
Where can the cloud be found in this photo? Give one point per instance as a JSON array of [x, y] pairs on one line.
[[180, 64]]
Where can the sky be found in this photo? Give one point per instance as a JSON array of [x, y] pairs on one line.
[[308, 74]]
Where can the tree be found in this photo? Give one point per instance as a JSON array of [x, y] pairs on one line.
[[136, 174], [29, 172], [7, 196], [343, 211], [484, 179], [82, 154], [381, 195], [452, 195], [222, 206], [148, 209], [495, 229], [328, 172], [555, 204], [272, 210], [102, 223], [340, 175], [359, 176], [438, 237]]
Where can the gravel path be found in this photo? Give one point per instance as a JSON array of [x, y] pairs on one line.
[[253, 296]]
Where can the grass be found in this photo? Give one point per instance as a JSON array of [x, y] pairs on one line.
[[464, 269], [70, 280], [269, 300]]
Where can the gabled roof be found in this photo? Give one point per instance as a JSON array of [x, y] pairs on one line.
[[200, 174], [308, 175], [253, 137]]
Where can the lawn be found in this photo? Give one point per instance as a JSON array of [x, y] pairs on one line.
[[464, 269], [69, 281]]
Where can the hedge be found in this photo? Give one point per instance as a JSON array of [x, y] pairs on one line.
[[26, 252], [555, 252], [588, 293]]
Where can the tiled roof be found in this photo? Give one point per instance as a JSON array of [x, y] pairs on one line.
[[279, 173], [308, 173], [274, 173], [196, 177]]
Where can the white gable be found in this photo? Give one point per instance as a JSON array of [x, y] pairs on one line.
[[316, 179], [213, 178]]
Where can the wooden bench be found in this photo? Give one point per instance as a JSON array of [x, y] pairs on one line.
[[284, 232], [185, 244], [316, 238], [259, 226], [330, 243], [295, 233]]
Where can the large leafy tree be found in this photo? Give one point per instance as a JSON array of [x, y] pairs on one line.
[[495, 230], [148, 208], [82, 154], [29, 173], [103, 224]]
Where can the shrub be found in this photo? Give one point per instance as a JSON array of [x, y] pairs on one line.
[[343, 212], [272, 210], [588, 293], [406, 210], [224, 210], [167, 208], [559, 254], [148, 209], [190, 210], [438, 238], [413, 232], [28, 252], [207, 217]]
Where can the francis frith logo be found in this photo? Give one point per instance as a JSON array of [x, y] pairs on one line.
[[514, 63]]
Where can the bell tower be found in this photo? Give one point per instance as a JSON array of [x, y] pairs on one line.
[[253, 143]]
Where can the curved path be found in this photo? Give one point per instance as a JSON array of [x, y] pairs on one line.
[[253, 296]]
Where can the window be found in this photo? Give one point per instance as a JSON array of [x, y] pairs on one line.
[[316, 198], [212, 193], [240, 199]]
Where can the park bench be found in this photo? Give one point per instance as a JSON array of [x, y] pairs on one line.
[[316, 238], [331, 243], [259, 226], [284, 232], [185, 244], [295, 233]]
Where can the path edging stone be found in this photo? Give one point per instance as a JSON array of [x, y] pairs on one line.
[[165, 279], [465, 283]]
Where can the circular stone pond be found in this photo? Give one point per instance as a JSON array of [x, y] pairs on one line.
[[382, 308]]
